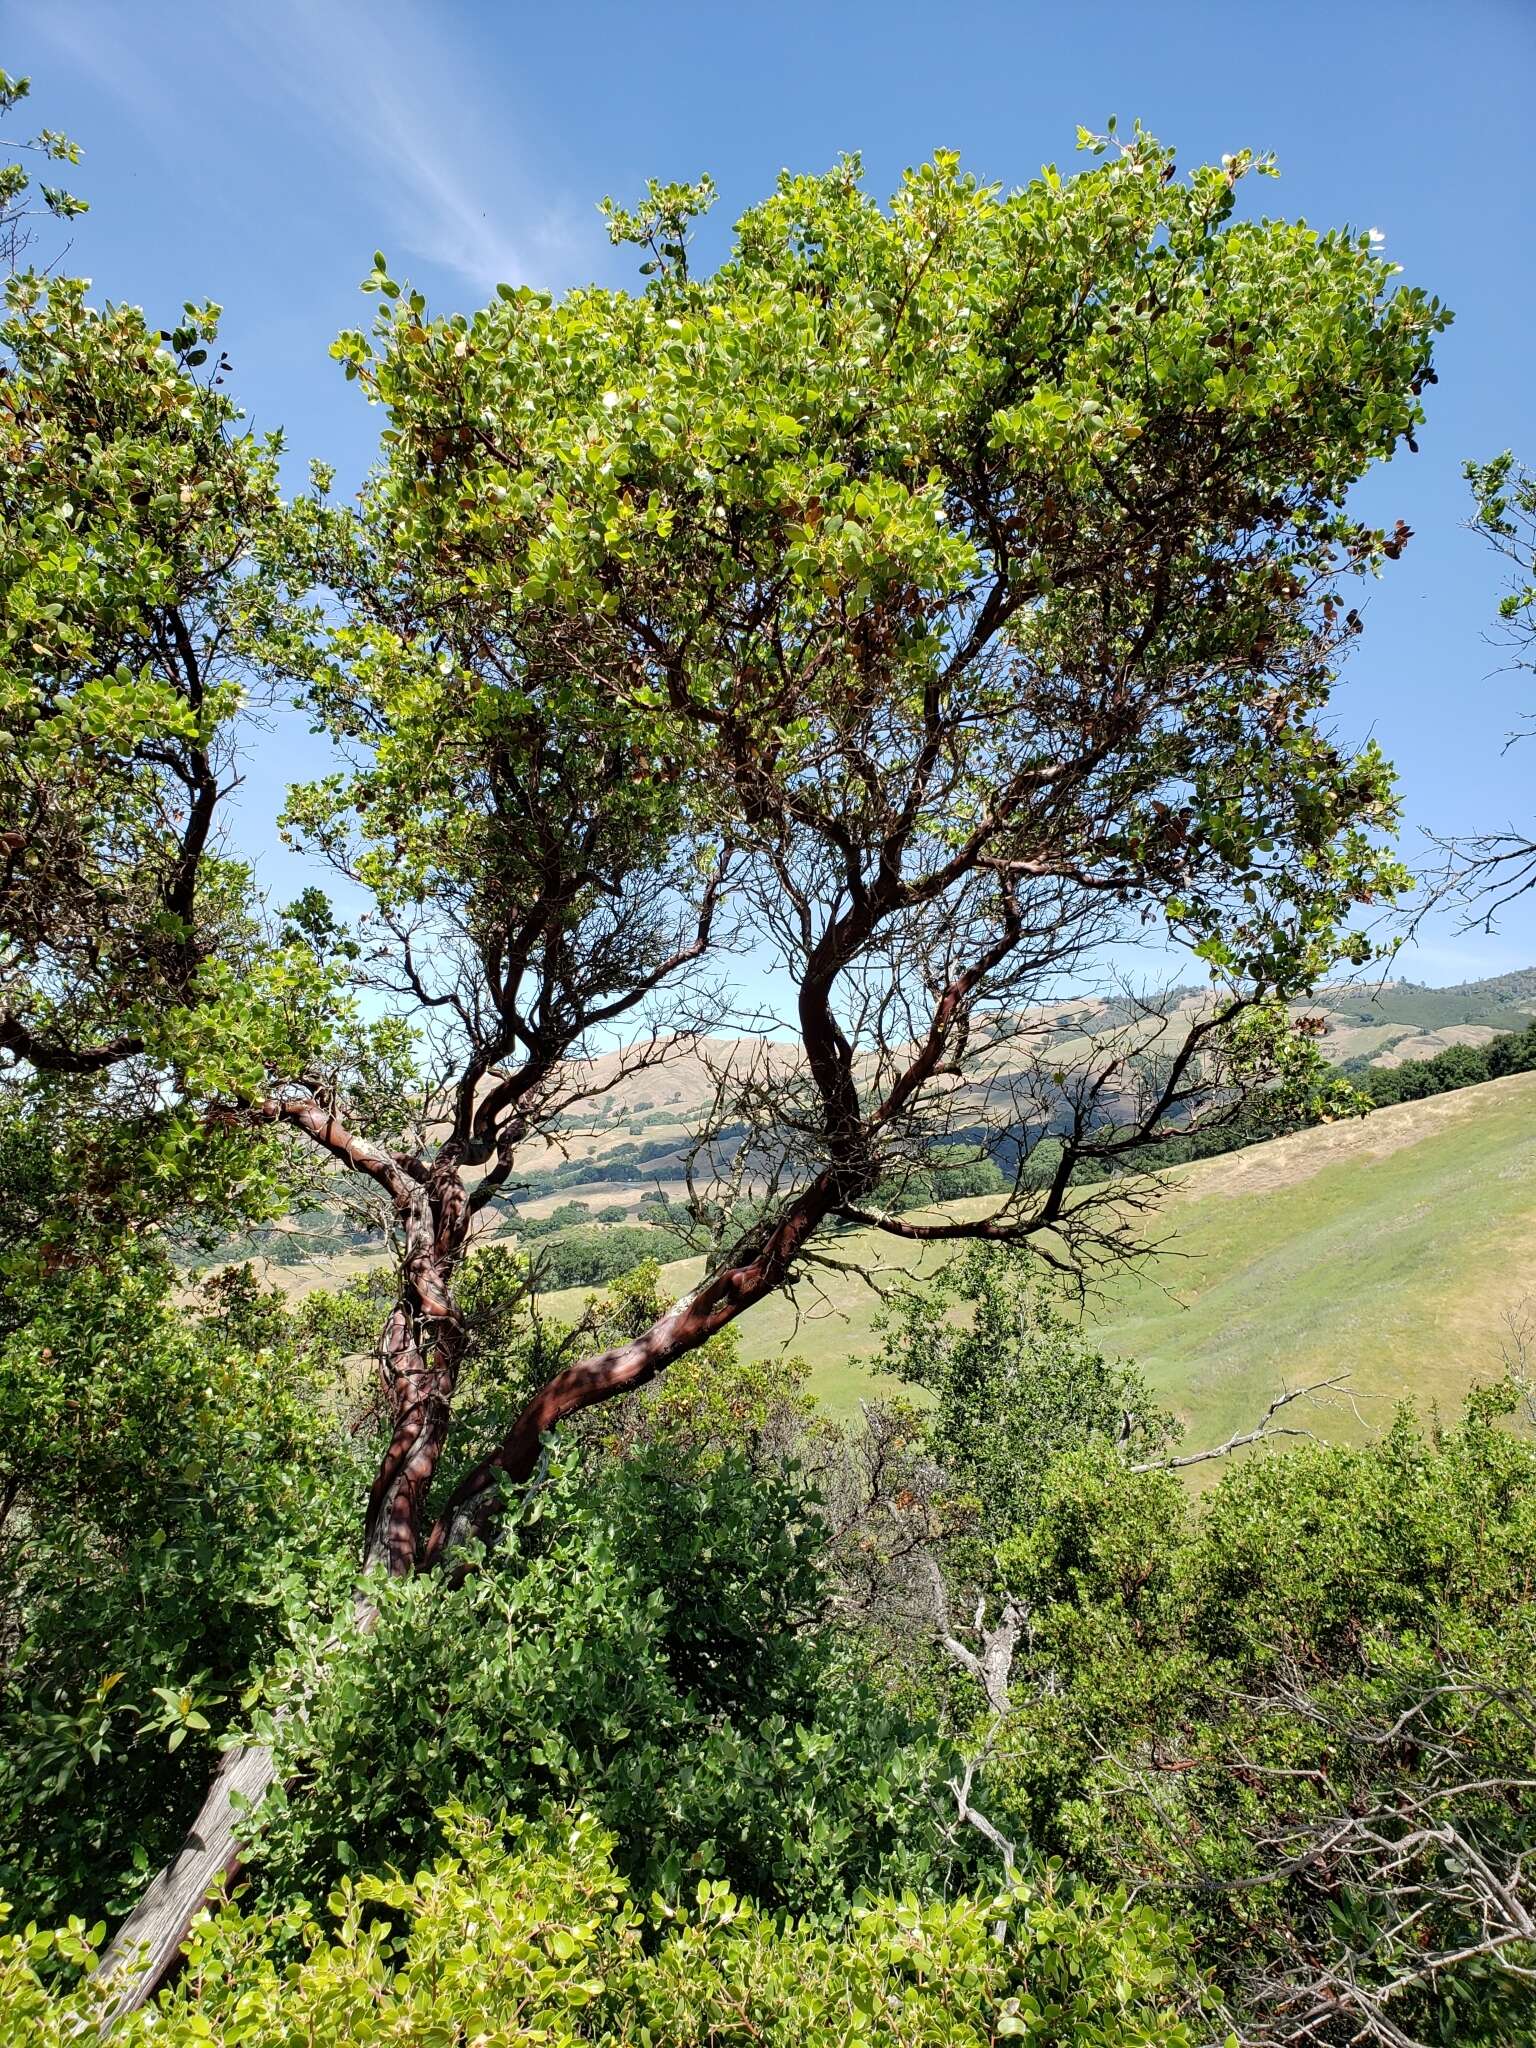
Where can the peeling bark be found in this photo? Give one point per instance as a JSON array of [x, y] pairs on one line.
[[421, 1348]]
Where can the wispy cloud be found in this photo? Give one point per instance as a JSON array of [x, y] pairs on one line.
[[388, 96], [394, 90]]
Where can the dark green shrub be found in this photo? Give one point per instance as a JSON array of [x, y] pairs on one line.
[[646, 1640], [593, 1257], [180, 1494]]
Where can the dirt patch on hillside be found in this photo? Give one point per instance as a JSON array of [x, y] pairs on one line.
[[1423, 1045], [1282, 1162]]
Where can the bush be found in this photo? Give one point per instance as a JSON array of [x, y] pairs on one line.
[[1013, 1380], [520, 1932], [593, 1257], [644, 1640], [182, 1494], [1302, 1706], [1514, 1052]]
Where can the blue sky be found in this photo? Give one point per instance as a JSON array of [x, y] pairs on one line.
[[259, 153]]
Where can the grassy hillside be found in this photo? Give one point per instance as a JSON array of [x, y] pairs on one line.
[[630, 1139], [1388, 1247]]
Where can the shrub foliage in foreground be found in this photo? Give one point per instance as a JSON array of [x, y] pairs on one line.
[[1300, 1714], [174, 1497], [522, 1933]]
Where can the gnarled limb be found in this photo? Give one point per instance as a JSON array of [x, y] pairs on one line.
[[1262, 1431], [49, 1056], [723, 1297], [422, 1343]]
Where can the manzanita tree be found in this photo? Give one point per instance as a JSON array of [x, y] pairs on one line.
[[138, 569], [949, 589], [134, 511], [936, 595]]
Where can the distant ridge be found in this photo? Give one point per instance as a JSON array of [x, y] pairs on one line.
[[633, 1137], [1496, 1002], [1518, 986]]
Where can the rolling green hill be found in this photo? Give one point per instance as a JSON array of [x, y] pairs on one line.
[[1390, 1248], [630, 1139]]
